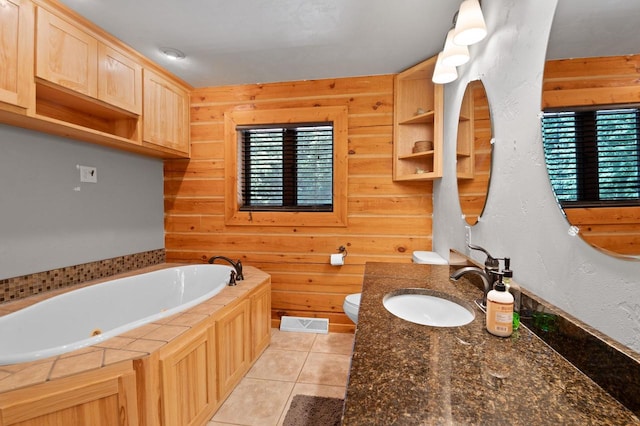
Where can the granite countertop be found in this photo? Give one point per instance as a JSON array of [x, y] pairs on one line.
[[409, 374]]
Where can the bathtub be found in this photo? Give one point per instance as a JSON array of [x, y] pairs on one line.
[[92, 314]]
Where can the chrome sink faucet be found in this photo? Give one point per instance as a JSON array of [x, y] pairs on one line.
[[236, 265], [491, 266]]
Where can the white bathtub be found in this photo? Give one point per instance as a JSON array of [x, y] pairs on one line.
[[73, 320]]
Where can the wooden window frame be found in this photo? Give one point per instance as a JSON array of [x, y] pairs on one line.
[[233, 119]]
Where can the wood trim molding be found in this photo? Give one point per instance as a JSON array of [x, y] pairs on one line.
[[337, 115]]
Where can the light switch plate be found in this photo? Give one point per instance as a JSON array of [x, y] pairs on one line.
[[88, 174]]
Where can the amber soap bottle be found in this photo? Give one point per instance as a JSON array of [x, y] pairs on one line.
[[500, 310]]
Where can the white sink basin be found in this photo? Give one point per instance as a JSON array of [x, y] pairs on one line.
[[427, 307]]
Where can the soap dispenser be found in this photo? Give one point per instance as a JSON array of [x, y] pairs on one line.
[[500, 309], [514, 289]]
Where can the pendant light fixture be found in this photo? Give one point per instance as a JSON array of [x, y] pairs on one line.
[[443, 74], [454, 54], [468, 28], [470, 25]]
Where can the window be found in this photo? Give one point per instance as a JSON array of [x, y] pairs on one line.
[[287, 167], [592, 156]]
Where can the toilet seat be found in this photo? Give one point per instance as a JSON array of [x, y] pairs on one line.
[[353, 299]]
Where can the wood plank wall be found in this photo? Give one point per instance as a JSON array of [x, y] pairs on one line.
[[386, 220], [593, 81]]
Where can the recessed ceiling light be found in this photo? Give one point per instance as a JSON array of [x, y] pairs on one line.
[[172, 53]]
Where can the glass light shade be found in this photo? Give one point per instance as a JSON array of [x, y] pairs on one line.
[[443, 74], [454, 54], [470, 25]]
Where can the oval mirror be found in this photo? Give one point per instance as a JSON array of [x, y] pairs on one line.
[[591, 121], [474, 151]]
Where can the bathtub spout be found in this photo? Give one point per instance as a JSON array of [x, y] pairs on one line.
[[236, 265]]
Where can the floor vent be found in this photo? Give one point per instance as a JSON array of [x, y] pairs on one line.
[[305, 325]]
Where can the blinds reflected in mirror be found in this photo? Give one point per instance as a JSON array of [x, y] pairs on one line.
[[592, 155]]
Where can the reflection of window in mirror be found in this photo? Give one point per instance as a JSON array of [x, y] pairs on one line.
[[474, 151], [591, 135]]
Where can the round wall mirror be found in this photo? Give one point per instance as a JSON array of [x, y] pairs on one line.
[[474, 151], [590, 123]]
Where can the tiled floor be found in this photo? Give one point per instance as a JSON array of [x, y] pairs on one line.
[[294, 363]]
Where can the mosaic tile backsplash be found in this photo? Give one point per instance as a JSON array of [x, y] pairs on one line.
[[40, 282]]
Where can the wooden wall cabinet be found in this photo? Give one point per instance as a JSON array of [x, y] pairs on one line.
[[103, 397], [66, 55], [418, 116], [233, 347], [166, 114], [119, 79], [61, 74], [74, 59], [16, 45], [188, 374]]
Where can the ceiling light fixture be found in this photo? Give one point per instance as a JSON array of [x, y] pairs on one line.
[[454, 54], [470, 25], [468, 28], [442, 73], [172, 53]]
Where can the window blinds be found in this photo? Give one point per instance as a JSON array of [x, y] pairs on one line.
[[287, 167], [592, 156]]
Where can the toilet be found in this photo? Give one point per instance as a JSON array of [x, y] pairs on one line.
[[351, 303]]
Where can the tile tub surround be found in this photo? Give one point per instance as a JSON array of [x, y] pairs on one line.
[[134, 344], [41, 282], [405, 373]]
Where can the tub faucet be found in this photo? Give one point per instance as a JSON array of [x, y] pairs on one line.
[[236, 265]]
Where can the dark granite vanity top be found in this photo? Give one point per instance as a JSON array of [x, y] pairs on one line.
[[409, 374]]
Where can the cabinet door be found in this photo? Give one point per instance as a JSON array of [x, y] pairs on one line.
[[260, 321], [66, 55], [119, 80], [166, 114], [16, 45], [189, 380], [233, 347], [102, 397]]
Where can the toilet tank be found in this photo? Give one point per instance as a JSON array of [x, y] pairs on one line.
[[429, 258]]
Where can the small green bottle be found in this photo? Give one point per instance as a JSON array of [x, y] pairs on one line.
[[514, 289]]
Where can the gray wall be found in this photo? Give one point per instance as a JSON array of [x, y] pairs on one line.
[[48, 219], [522, 219]]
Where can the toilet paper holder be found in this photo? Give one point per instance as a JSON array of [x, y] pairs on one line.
[[338, 258]]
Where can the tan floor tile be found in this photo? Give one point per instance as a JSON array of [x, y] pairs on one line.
[[288, 340], [255, 402], [334, 343], [326, 369], [276, 364]]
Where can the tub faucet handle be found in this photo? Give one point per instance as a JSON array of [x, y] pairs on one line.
[[236, 265]]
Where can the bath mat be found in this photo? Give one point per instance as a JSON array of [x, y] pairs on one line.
[[314, 411]]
